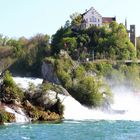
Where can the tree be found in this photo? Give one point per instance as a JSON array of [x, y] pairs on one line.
[[87, 92], [70, 44], [138, 46], [9, 91], [76, 20]]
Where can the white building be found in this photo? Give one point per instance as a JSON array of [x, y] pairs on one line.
[[92, 17]]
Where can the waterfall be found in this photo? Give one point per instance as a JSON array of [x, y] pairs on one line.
[[125, 107], [24, 82], [19, 114]]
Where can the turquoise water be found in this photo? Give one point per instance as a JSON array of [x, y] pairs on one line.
[[73, 130]]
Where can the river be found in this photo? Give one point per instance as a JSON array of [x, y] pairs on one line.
[[73, 130], [121, 122]]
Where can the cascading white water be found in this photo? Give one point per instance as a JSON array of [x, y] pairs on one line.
[[19, 114], [125, 107], [24, 82]]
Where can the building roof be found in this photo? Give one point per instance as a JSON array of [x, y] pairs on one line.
[[90, 10], [85, 12], [108, 19]]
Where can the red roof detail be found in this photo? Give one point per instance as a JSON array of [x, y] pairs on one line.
[[108, 19]]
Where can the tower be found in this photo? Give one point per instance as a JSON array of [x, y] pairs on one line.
[[126, 23], [133, 34], [133, 37]]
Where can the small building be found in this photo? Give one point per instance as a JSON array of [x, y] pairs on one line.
[[92, 17]]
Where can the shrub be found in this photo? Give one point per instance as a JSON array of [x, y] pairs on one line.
[[9, 90], [65, 79], [87, 92], [79, 72], [6, 117], [104, 68], [45, 87]]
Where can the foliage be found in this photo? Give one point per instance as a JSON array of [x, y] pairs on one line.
[[79, 72], [87, 92], [76, 20], [138, 47], [6, 117], [29, 54], [45, 87], [63, 66], [104, 68], [78, 80], [98, 42], [8, 80], [9, 90]]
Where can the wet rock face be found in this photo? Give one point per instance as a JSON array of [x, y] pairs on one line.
[[49, 74]]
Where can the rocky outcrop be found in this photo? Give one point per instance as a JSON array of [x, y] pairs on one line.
[[25, 114], [12, 113], [46, 100], [18, 113], [23, 105], [48, 73]]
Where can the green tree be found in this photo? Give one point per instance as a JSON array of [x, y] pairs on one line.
[[87, 92], [70, 44], [76, 20], [9, 90], [138, 47]]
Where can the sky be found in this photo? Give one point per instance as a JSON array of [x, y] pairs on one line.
[[29, 17]]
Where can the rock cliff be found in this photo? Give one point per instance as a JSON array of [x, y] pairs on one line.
[[49, 74]]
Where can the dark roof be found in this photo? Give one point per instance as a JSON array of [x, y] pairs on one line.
[[108, 19], [88, 11], [85, 13]]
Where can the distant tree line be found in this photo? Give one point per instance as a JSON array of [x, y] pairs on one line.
[[24, 56]]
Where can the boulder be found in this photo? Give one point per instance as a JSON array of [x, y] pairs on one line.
[[47, 99]]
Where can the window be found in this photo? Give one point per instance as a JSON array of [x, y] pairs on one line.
[[98, 20], [94, 19]]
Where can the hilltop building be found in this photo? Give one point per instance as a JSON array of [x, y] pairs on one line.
[[92, 17]]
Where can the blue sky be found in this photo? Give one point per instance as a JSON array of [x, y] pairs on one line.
[[29, 17]]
